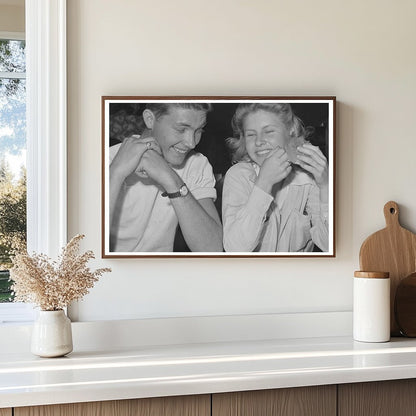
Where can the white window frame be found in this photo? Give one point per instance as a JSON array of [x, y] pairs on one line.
[[12, 35], [46, 125], [46, 134]]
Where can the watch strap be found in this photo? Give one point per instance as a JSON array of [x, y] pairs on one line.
[[171, 195], [174, 194]]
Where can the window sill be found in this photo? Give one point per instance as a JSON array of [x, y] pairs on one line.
[[16, 313]]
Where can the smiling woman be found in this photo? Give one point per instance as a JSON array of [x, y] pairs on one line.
[[164, 162], [274, 202]]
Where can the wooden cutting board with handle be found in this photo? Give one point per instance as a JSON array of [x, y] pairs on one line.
[[393, 250]]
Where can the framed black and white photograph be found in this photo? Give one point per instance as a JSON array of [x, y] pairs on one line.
[[218, 176]]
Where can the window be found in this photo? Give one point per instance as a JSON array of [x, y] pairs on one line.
[[46, 135], [12, 155]]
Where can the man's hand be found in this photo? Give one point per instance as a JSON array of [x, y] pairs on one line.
[[155, 167], [130, 154]]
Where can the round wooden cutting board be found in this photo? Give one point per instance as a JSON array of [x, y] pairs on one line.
[[393, 250]]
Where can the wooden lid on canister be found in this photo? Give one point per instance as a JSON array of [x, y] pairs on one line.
[[372, 275]]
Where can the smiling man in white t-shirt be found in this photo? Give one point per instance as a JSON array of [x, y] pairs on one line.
[[158, 181]]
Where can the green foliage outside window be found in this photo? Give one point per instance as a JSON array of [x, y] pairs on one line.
[[12, 224], [12, 148]]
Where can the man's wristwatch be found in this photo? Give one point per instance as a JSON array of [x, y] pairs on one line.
[[183, 191]]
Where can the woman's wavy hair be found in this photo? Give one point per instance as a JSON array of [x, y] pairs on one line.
[[236, 144]]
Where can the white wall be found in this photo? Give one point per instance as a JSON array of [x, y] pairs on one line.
[[12, 17], [363, 52]]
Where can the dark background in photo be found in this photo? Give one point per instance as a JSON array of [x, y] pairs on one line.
[[126, 119]]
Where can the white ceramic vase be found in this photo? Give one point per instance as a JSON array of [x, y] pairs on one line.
[[52, 334]]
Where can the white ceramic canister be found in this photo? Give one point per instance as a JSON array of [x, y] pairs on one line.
[[371, 309]]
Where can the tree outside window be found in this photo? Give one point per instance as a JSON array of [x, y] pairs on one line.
[[12, 156]]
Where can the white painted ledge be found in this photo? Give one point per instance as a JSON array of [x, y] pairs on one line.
[[152, 371]]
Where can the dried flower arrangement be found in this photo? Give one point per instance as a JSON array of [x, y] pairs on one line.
[[52, 285]]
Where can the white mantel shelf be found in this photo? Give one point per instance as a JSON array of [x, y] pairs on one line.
[[151, 371]]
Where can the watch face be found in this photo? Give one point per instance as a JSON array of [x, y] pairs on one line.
[[183, 190]]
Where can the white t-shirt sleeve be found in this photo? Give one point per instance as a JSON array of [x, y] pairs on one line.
[[197, 174], [199, 177], [112, 152]]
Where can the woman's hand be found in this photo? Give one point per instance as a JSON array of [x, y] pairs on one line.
[[274, 169], [313, 161]]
